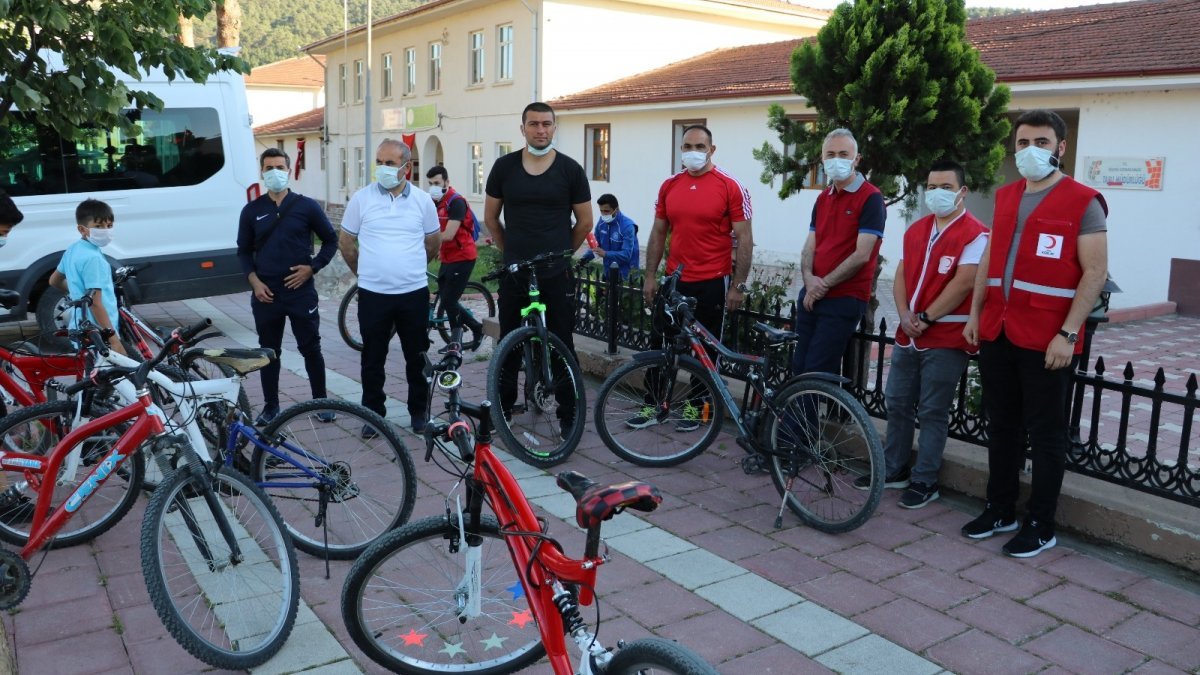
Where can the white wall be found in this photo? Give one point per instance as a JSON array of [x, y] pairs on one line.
[[269, 105]]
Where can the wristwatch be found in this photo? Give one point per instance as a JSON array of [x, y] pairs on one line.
[[1072, 338], [743, 287], [925, 317]]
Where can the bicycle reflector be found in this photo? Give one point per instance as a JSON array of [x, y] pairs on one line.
[[449, 380]]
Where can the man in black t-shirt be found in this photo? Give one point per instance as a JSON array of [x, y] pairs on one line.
[[537, 190]]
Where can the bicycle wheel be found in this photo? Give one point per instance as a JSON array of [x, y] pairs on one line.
[[213, 415], [470, 334], [656, 655], [652, 417], [403, 599], [348, 319], [371, 483], [826, 441], [539, 422], [37, 430], [232, 612]]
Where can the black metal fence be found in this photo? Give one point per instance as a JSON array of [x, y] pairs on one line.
[[1110, 439]]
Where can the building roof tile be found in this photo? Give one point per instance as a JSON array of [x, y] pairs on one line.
[[313, 120], [301, 71]]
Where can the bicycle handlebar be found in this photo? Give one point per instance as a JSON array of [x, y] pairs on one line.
[[535, 261]]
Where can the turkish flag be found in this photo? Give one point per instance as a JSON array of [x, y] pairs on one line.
[[299, 156], [411, 141]]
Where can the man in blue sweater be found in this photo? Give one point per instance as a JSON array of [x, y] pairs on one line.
[[275, 242], [616, 237]]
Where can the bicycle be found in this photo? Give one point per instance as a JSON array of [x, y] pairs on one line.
[[221, 572], [438, 319], [666, 406], [28, 377], [536, 380], [442, 594]]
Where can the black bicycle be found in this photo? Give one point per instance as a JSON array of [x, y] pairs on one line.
[[438, 318]]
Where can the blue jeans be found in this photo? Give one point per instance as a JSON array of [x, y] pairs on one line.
[[824, 333], [921, 386]]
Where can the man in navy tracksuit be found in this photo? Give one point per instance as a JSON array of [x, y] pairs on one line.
[[275, 236], [616, 237]]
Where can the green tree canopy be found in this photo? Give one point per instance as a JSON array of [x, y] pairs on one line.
[[901, 76], [56, 56]]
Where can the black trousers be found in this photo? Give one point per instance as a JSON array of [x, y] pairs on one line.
[[298, 306], [710, 312], [408, 315], [1019, 394], [824, 333], [558, 294], [452, 279]]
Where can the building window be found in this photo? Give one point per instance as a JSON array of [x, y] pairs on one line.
[[358, 81], [677, 127], [387, 76], [360, 168], [503, 149], [596, 147], [345, 168], [475, 73], [435, 66], [279, 145], [504, 52], [476, 153], [342, 84], [814, 178], [322, 155], [410, 71]]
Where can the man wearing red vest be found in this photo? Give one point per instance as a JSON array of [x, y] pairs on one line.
[[933, 295], [457, 253], [839, 258], [1043, 270]]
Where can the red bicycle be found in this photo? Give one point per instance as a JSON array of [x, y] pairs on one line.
[[26, 376], [470, 593]]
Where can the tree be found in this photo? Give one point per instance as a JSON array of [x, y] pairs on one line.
[[229, 23], [904, 79], [87, 38]]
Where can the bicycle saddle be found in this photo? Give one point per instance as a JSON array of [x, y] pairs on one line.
[[774, 335], [242, 361], [598, 503], [9, 298]]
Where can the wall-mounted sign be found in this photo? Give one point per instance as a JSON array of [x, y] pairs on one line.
[[410, 118], [1125, 173]]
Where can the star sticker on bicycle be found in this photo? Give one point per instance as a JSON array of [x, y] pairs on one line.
[[520, 619], [414, 638], [517, 590], [452, 649], [494, 642]]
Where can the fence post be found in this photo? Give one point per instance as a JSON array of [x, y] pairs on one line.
[[613, 283]]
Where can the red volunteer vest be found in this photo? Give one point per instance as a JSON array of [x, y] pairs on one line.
[[462, 246], [1046, 272], [927, 272]]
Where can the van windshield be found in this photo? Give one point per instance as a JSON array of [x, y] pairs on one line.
[[174, 147]]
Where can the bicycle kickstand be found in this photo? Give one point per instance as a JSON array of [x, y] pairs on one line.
[[323, 522]]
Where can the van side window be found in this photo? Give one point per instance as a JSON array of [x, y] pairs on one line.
[[174, 147]]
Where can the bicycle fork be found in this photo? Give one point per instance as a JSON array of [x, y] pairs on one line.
[[200, 475]]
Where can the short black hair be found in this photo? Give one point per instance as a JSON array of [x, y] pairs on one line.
[[1043, 118], [438, 170], [274, 152], [607, 200], [701, 127], [93, 209], [950, 165], [537, 106], [9, 213]]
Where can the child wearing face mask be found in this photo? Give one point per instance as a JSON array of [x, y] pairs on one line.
[[10, 217], [84, 271]]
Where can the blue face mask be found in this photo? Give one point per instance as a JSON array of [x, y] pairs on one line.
[[941, 202], [389, 176], [838, 169], [1036, 163], [3, 241], [539, 152], [276, 180]]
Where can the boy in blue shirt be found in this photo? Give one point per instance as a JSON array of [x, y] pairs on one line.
[[616, 237], [84, 270]]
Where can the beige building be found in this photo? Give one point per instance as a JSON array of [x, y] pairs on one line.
[[452, 76]]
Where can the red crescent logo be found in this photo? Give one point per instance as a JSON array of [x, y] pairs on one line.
[[1048, 241]]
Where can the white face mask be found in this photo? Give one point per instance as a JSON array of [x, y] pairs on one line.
[[101, 237], [838, 169], [941, 201], [1036, 163], [606, 218], [694, 160], [437, 192], [388, 176], [276, 180], [540, 152]]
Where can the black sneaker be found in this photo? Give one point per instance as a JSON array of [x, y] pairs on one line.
[[1033, 538], [267, 416], [418, 425], [369, 432], [326, 416], [896, 481], [991, 521], [643, 419], [918, 495]]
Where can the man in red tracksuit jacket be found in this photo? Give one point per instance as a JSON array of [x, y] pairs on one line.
[[1046, 262], [933, 295]]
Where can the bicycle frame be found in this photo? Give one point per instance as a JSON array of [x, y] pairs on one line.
[[241, 429], [37, 371]]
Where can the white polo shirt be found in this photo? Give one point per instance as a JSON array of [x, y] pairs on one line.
[[391, 235]]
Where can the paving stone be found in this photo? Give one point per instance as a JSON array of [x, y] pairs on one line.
[[59, 585], [687, 522], [774, 660], [748, 596], [978, 652], [873, 655], [1095, 574], [661, 602], [1004, 618], [89, 652], [37, 624], [910, 624], [734, 543], [1082, 607], [695, 568], [933, 588], [944, 553], [1010, 577], [1162, 638], [1163, 598], [845, 593], [650, 544], [815, 543], [809, 628], [717, 636], [889, 532], [338, 668], [786, 568], [1156, 668], [319, 648], [163, 656], [1081, 652], [870, 562]]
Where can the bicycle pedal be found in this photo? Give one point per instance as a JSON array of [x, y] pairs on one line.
[[753, 464]]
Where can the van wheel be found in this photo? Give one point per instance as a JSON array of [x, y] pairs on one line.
[[50, 306]]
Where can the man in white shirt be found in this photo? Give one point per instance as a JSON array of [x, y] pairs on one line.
[[389, 234]]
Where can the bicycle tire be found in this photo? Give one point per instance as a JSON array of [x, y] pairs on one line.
[[355, 516], [469, 335], [214, 609], [36, 430], [640, 427], [819, 486], [377, 612], [348, 319], [535, 434], [656, 655]]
